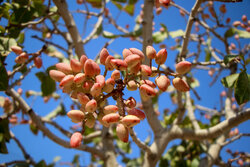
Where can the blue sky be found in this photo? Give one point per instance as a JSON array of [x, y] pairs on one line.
[[42, 148]]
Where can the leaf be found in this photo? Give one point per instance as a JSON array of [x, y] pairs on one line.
[[21, 38], [176, 33], [121, 1], [194, 83], [208, 55], [33, 129], [56, 159], [229, 81], [5, 45], [229, 58], [159, 36], [243, 34], [215, 120], [130, 8], [3, 148], [195, 162], [4, 81], [180, 148], [242, 88], [229, 33], [4, 129], [48, 85], [124, 146], [42, 163], [107, 34]]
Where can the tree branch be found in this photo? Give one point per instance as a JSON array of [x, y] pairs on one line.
[[212, 132], [71, 26], [37, 120]]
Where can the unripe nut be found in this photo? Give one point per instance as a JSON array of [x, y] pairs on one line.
[[111, 118], [67, 80], [132, 86], [180, 85], [63, 67], [140, 114], [75, 65], [110, 109], [76, 140], [103, 55], [122, 132], [150, 52], [56, 75], [161, 56], [162, 82], [16, 49], [130, 120], [132, 60], [91, 106], [183, 67], [76, 115]]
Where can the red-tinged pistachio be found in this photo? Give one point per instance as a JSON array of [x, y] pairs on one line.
[[147, 89], [90, 68], [76, 140], [96, 90], [122, 132], [66, 89], [236, 23], [154, 73], [130, 102], [180, 85], [101, 80], [90, 120], [132, 60], [73, 94], [22, 58], [138, 52], [165, 2], [103, 55], [99, 117], [116, 75], [110, 109], [183, 67], [67, 80], [126, 53], [109, 85], [119, 64], [131, 85], [76, 115], [148, 82], [63, 67], [161, 56], [91, 106], [130, 120], [38, 62], [16, 49], [87, 85], [108, 64], [146, 70], [150, 52], [134, 111], [79, 78], [244, 18], [223, 8], [56, 75], [111, 118], [82, 98], [162, 82], [134, 70], [83, 59], [75, 65]]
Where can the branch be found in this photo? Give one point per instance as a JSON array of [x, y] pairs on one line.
[[186, 36], [97, 25], [28, 158], [37, 120], [191, 112], [212, 132], [139, 143], [224, 0], [71, 26], [235, 138]]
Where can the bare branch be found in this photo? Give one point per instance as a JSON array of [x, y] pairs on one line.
[[37, 120], [71, 26], [139, 143], [212, 132], [190, 113], [235, 138]]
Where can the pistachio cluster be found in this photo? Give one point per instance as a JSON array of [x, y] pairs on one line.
[[83, 81]]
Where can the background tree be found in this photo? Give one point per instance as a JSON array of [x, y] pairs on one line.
[[41, 38]]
